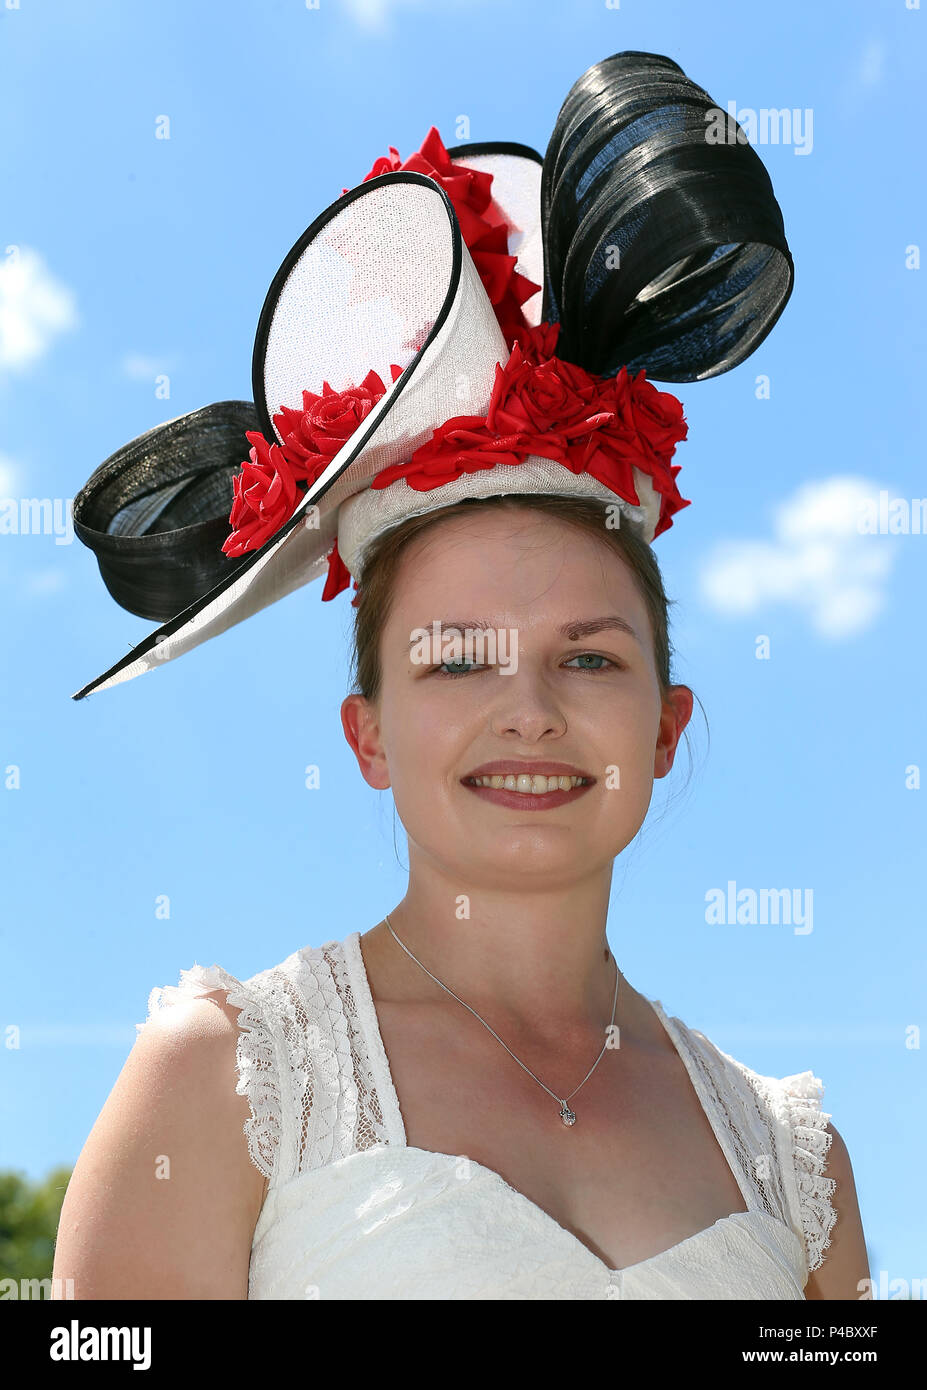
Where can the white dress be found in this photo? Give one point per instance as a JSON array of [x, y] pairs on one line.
[[353, 1212]]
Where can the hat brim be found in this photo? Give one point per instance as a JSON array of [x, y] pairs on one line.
[[403, 264]]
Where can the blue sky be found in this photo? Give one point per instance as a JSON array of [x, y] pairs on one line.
[[135, 257]]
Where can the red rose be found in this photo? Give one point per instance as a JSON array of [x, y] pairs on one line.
[[314, 435], [541, 408], [605, 427], [539, 343], [643, 434], [265, 492], [657, 416], [536, 397], [265, 496]]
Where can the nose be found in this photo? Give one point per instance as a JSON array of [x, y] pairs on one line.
[[523, 704]]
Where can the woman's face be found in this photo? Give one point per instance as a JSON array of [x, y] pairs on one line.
[[532, 698]]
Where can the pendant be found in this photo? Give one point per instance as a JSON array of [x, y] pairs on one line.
[[566, 1114]]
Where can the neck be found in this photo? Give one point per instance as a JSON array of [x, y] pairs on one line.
[[538, 963]]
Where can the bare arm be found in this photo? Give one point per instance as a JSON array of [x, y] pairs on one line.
[[164, 1198], [846, 1264]]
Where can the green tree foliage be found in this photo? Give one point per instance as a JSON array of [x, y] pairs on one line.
[[29, 1215]]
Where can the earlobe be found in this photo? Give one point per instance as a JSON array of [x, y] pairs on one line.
[[358, 720], [663, 762]]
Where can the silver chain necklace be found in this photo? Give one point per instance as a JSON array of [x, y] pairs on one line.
[[566, 1114]]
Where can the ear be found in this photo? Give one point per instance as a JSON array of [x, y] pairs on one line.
[[677, 711], [360, 721]]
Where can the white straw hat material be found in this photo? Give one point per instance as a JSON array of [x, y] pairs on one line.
[[384, 281], [372, 512]]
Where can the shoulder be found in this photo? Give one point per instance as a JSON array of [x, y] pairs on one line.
[[190, 1052], [163, 1199], [844, 1274], [273, 1022], [257, 1021]]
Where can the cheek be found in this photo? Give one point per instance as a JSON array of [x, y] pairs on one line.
[[423, 743], [628, 775], [631, 717]]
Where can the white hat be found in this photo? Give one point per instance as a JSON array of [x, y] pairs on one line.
[[399, 365]]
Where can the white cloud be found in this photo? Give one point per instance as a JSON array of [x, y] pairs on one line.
[[34, 308], [369, 14], [374, 15], [817, 561], [141, 368]]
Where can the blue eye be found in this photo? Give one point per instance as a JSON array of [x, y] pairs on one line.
[[441, 672], [596, 657], [593, 670]]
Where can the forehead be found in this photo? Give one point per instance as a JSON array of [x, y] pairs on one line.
[[513, 570]]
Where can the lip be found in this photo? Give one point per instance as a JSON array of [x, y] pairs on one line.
[[506, 767]]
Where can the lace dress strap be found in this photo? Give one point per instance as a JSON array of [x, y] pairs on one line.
[[808, 1187], [788, 1142], [777, 1134], [264, 1071], [302, 1058]]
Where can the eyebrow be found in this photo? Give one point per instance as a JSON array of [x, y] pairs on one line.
[[574, 631]]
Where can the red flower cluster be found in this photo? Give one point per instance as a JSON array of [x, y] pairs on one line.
[[603, 426], [482, 225], [265, 492], [540, 405]]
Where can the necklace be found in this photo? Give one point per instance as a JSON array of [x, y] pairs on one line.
[[566, 1114]]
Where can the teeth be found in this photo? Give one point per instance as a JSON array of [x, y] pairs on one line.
[[534, 784]]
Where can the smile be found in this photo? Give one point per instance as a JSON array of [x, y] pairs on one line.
[[528, 793]]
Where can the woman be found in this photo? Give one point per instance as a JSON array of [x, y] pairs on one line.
[[470, 1100]]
